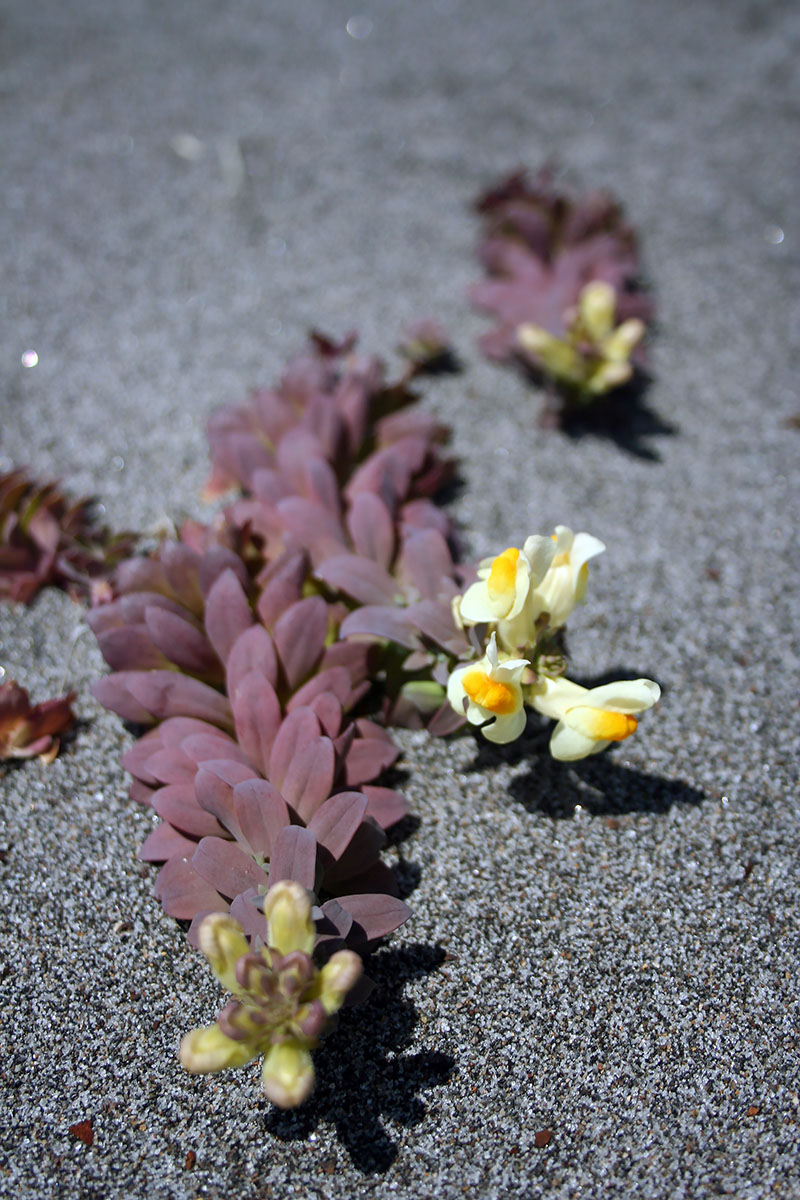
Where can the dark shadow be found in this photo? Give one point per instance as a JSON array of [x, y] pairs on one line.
[[363, 1078], [445, 362], [622, 415], [600, 784]]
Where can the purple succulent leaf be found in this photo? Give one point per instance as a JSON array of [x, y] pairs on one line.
[[171, 765], [385, 805], [322, 486], [381, 621], [445, 721], [281, 585], [434, 619], [168, 694], [215, 562], [371, 528], [227, 867], [366, 760], [296, 449], [300, 634], [383, 474], [374, 916], [181, 642], [251, 918], [183, 892], [164, 844], [201, 747], [140, 793], [247, 455], [361, 578], [261, 813], [336, 821], [312, 526], [104, 618], [306, 779], [294, 856], [299, 729], [132, 608], [417, 660], [257, 714], [253, 650], [140, 575], [426, 563], [181, 570], [333, 921], [213, 786], [228, 613], [424, 514], [136, 758], [114, 693], [362, 852], [177, 804], [334, 679], [357, 657], [270, 486], [175, 730], [329, 713], [131, 648]]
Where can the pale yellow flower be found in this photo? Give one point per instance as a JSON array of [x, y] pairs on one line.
[[490, 690], [589, 719]]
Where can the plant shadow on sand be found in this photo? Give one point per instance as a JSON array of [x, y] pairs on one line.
[[600, 784], [622, 416], [362, 1075]]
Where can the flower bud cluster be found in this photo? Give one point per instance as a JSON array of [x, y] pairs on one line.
[[282, 1002], [516, 612]]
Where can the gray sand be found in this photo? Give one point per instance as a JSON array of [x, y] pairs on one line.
[[622, 934]]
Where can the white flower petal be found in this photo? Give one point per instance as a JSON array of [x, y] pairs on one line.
[[567, 744], [624, 695], [557, 696], [506, 729]]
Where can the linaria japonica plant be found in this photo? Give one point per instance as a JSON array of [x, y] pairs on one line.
[[564, 284], [48, 539], [267, 652]]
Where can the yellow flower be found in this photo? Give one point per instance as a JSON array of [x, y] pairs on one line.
[[505, 581], [490, 690], [564, 585], [589, 719]]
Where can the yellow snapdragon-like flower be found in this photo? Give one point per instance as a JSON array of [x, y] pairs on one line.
[[490, 690], [589, 719], [564, 584], [505, 581]]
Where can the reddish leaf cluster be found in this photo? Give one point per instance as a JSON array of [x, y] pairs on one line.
[[30, 730], [251, 646], [47, 539], [540, 248]]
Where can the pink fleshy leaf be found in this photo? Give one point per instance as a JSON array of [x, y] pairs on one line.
[[426, 563], [253, 650], [372, 529], [181, 642], [281, 585], [294, 857], [309, 778], [177, 804], [336, 821], [181, 566], [215, 561], [226, 867], [171, 765], [329, 713], [200, 747], [257, 713], [164, 844], [137, 756], [362, 851], [183, 892], [385, 805], [380, 621], [374, 916], [168, 694], [299, 635], [334, 679], [130, 648], [228, 613], [366, 760], [314, 527], [214, 784], [361, 578], [114, 693], [248, 915], [261, 812]]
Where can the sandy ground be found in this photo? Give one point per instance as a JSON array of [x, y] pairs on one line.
[[621, 935]]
